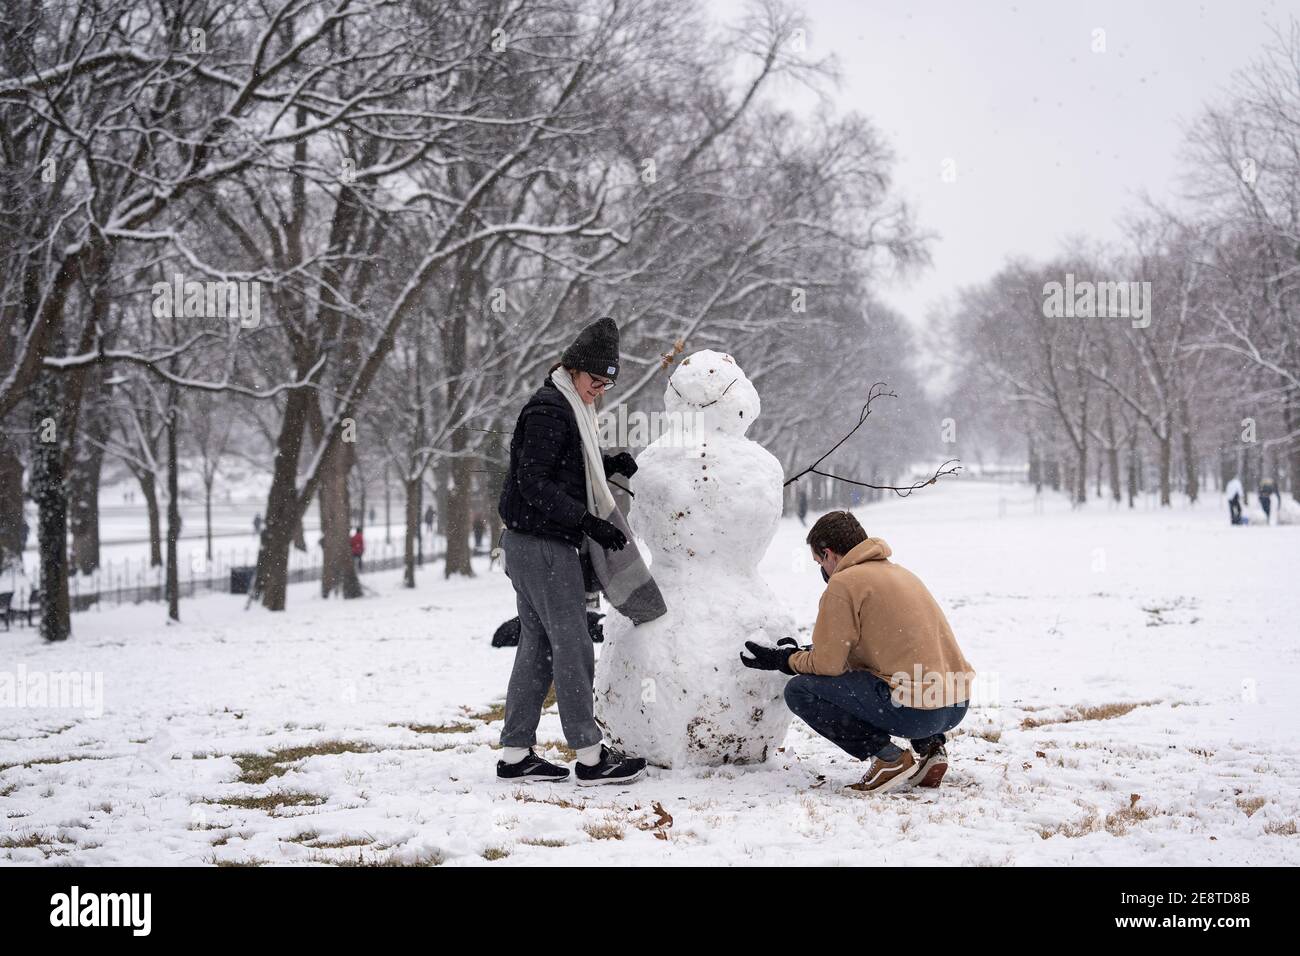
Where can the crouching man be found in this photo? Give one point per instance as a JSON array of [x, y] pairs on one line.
[[883, 662]]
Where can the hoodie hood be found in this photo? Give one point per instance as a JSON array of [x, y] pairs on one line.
[[872, 549]]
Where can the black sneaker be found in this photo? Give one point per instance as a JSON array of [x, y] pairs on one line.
[[613, 767], [532, 769]]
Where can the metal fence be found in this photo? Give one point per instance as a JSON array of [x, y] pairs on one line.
[[134, 582]]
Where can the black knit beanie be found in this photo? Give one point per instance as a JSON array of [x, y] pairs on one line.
[[595, 350]]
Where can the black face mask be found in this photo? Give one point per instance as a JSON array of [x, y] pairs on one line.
[[825, 577]]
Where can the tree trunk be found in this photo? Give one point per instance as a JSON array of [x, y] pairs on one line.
[[173, 512], [83, 503], [458, 519], [413, 491], [1291, 416], [50, 494], [149, 489], [1191, 479], [388, 509], [207, 517], [339, 570], [1249, 466], [13, 533], [1165, 440], [283, 517], [1035, 466], [1081, 476], [1112, 458], [1132, 469]]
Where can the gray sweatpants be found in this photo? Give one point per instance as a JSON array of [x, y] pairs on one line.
[[554, 644]]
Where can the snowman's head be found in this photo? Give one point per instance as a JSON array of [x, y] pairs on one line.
[[713, 387]]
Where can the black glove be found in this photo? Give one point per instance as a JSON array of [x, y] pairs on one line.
[[622, 464], [603, 533], [791, 642], [768, 658]]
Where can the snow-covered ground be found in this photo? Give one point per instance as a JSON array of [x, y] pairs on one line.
[[1142, 663]]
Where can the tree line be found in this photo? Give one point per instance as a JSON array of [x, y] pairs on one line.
[[1176, 365]]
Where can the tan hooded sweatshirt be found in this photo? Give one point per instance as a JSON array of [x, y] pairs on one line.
[[877, 616]]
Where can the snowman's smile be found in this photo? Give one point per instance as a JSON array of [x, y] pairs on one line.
[[705, 404]]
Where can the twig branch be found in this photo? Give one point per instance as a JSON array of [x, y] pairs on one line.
[[877, 390]]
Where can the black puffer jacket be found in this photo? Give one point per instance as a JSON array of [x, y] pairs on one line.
[[545, 491]]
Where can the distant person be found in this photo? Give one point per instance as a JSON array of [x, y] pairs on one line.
[[1234, 493], [802, 506], [257, 524], [372, 515], [480, 529], [358, 548], [428, 518], [1267, 489]]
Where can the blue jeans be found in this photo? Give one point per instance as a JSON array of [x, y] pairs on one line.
[[855, 712]]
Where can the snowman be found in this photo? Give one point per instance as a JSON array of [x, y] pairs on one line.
[[708, 501]]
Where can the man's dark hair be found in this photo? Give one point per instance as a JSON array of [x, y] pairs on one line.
[[837, 530]]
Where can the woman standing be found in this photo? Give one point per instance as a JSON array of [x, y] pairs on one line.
[[545, 508]]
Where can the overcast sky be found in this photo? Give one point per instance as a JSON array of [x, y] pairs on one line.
[[1049, 139]]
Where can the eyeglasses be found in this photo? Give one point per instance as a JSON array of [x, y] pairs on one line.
[[601, 384]]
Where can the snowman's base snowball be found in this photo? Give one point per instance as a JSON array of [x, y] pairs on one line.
[[675, 692]]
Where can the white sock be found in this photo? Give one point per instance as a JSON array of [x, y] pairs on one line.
[[589, 756], [513, 754]]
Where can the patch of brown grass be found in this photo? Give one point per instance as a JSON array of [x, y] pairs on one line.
[[1250, 804], [259, 768], [542, 841], [605, 830], [1091, 823], [1116, 823], [524, 796], [33, 840], [1287, 828], [341, 843], [456, 728], [493, 853], [361, 860], [40, 761], [567, 753], [271, 802], [494, 713], [1098, 712]]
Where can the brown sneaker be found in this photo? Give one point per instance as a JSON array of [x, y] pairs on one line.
[[931, 769], [885, 775]]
